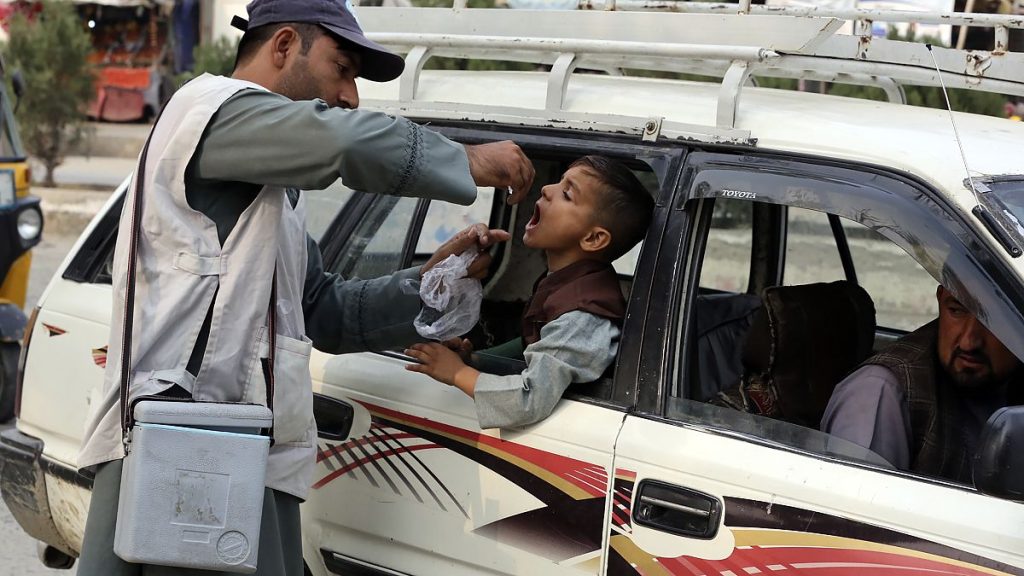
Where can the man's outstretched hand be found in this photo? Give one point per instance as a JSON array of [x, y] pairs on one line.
[[477, 237], [501, 164]]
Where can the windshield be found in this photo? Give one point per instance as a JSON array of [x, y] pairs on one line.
[[10, 145], [1010, 192]]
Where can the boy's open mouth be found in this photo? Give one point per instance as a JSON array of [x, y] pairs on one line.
[[535, 219]]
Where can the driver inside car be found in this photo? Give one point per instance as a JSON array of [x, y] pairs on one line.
[[923, 402]]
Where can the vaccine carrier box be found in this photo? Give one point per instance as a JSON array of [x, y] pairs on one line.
[[192, 485]]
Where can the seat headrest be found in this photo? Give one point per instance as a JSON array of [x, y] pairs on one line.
[[802, 342]]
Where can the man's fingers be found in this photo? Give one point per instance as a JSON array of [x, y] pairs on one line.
[[480, 233], [494, 236], [455, 344], [477, 237], [473, 235], [478, 268], [501, 164], [517, 196], [524, 175]]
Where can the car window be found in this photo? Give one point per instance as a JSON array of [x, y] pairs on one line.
[[444, 220], [377, 245], [322, 206], [903, 292], [10, 146], [770, 430], [625, 265], [726, 264], [811, 251], [730, 355]]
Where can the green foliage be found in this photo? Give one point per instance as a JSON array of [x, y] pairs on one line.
[[216, 58], [51, 50]]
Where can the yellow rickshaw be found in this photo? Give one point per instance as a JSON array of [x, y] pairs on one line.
[[21, 225]]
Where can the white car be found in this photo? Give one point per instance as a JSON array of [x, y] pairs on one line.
[[779, 192]]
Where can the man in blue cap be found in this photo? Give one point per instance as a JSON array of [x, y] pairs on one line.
[[222, 217]]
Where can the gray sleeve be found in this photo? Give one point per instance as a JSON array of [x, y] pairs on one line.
[[869, 409], [357, 315], [575, 347], [264, 138]]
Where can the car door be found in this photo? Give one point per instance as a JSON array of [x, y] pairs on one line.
[[419, 488], [72, 324], [708, 489]]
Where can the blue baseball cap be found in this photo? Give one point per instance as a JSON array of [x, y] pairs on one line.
[[335, 16]]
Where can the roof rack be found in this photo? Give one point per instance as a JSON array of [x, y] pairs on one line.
[[734, 42]]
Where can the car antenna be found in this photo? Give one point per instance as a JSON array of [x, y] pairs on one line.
[[979, 210]]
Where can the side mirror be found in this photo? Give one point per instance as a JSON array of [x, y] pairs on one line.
[[333, 417], [18, 83], [999, 463]]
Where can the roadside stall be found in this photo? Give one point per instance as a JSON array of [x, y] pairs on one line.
[[130, 50]]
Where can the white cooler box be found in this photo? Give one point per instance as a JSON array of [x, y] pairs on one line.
[[192, 486]]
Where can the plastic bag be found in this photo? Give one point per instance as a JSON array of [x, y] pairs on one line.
[[451, 301]]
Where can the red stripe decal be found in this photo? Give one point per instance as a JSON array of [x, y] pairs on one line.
[[556, 464], [362, 461], [361, 441]]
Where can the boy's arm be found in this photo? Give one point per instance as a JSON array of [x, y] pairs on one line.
[[575, 347], [512, 349]]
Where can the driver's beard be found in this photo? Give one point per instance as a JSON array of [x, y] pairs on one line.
[[971, 381]]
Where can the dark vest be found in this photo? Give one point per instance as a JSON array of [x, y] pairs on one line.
[[588, 285], [937, 426]]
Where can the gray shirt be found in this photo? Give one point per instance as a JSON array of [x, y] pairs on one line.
[[260, 138], [575, 347], [869, 408]]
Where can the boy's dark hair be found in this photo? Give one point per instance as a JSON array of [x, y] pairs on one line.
[[623, 206], [255, 38]]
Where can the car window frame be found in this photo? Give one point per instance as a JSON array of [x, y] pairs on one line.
[[996, 290], [658, 368], [664, 158]]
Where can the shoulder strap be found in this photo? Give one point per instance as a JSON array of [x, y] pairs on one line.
[[129, 303]]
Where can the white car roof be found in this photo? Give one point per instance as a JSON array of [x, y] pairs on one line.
[[715, 42], [913, 139]]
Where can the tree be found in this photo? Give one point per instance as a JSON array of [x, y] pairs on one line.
[[216, 58], [51, 49]]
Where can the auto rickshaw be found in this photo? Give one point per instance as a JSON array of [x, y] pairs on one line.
[[21, 226]]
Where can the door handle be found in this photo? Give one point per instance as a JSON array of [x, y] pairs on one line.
[[677, 510]]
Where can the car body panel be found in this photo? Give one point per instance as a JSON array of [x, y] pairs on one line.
[[72, 325], [483, 494], [814, 516]]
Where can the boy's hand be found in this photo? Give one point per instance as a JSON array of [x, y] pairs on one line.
[[476, 237], [443, 365]]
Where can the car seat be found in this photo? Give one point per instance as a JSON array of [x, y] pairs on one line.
[[803, 341], [723, 321]]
